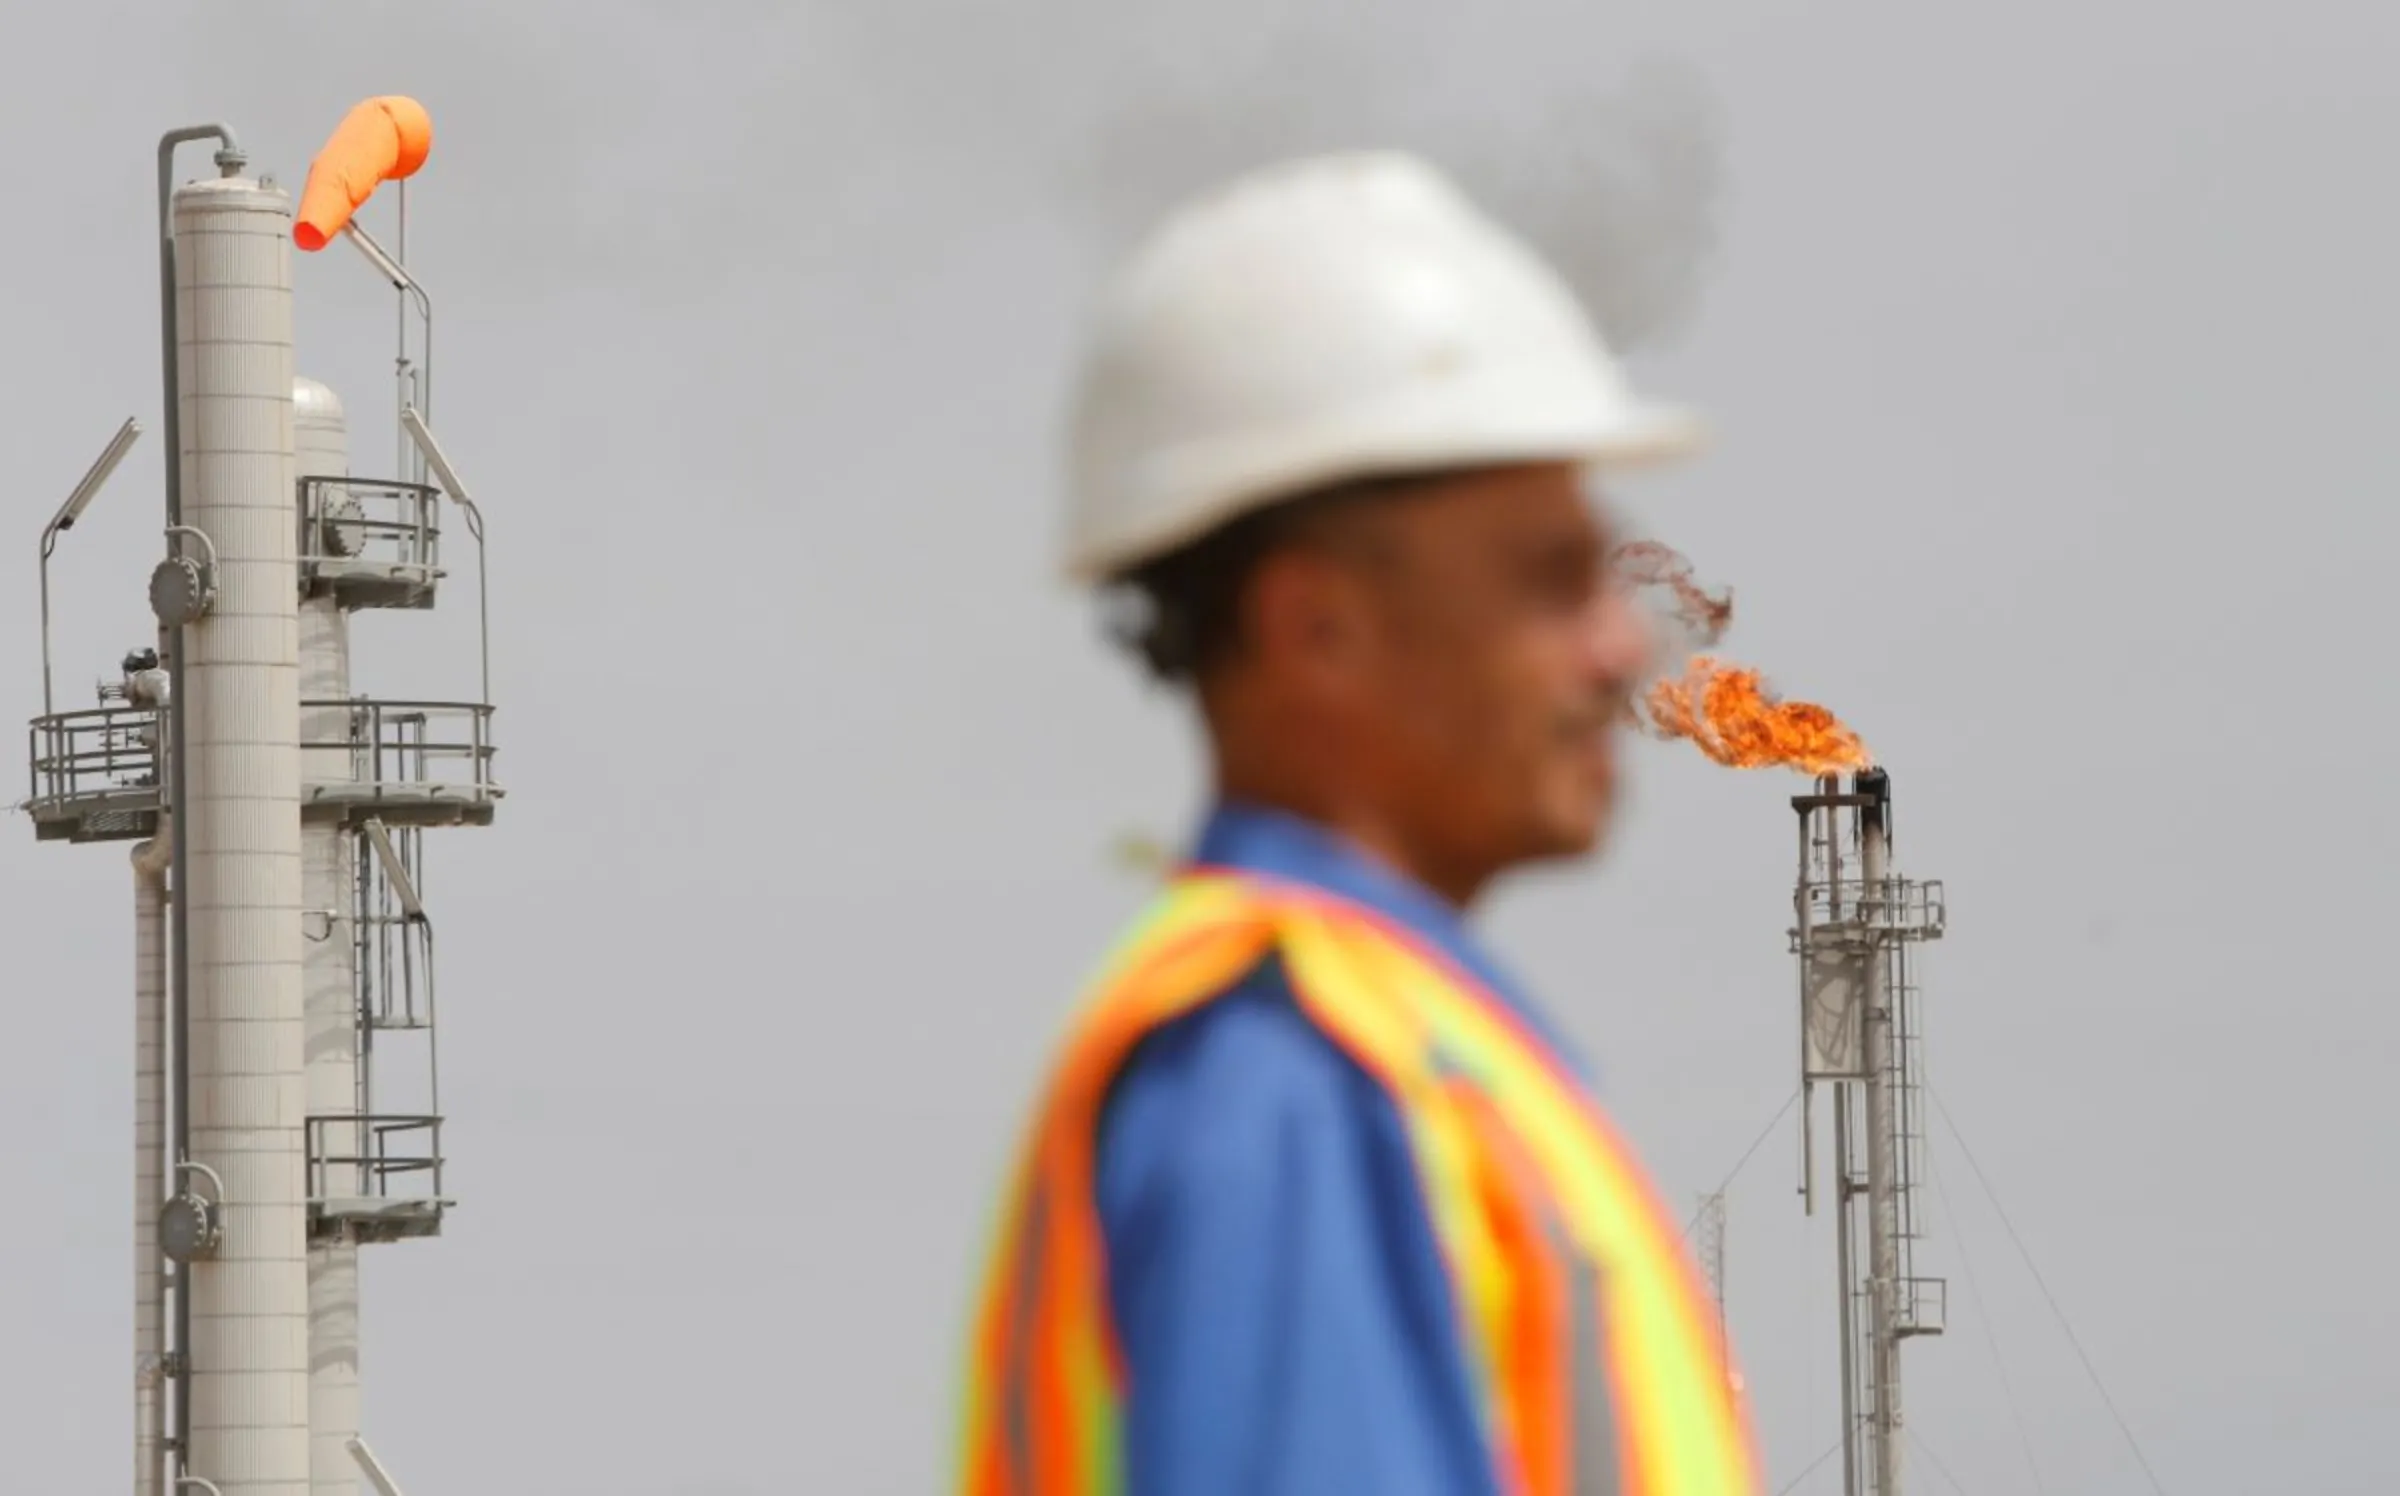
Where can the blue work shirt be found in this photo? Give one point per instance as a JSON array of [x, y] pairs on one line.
[[1287, 1325]]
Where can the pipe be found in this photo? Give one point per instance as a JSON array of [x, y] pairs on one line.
[[150, 861], [413, 421], [1877, 916], [230, 160], [392, 267]]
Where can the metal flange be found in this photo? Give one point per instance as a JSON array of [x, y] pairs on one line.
[[188, 1228], [180, 591]]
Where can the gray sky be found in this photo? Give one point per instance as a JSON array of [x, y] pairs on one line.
[[2047, 346]]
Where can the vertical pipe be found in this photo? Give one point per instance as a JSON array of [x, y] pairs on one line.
[[328, 856], [150, 860], [238, 837], [1801, 926], [49, 542], [1845, 1254], [1883, 1235]]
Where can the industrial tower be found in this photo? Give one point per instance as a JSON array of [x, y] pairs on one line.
[[287, 1111], [1857, 923]]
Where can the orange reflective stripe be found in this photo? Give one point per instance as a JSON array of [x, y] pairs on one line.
[[1572, 1287], [1533, 1359]]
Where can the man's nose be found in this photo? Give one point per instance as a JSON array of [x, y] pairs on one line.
[[1623, 646]]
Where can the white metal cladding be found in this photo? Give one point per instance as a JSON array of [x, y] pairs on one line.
[[150, 860], [321, 443], [248, 1381]]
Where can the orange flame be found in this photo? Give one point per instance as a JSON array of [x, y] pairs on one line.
[[1731, 716], [1726, 710]]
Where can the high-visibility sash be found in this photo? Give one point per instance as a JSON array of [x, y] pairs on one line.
[[1596, 1354]]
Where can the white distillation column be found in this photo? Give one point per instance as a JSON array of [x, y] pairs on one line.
[[240, 824], [327, 860], [150, 860]]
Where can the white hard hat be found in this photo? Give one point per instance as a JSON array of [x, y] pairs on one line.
[[1321, 321]]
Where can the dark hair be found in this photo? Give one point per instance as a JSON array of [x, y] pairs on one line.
[[1181, 614]]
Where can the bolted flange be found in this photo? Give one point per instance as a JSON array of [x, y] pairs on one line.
[[181, 590], [341, 525], [188, 1228]]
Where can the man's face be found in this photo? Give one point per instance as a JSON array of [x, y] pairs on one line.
[[1492, 665]]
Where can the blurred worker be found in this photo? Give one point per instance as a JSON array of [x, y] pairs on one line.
[[1316, 1203]]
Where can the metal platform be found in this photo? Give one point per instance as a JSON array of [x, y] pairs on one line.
[[351, 1194], [404, 763], [95, 773], [372, 543]]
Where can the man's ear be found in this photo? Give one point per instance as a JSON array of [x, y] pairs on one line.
[[1308, 613]]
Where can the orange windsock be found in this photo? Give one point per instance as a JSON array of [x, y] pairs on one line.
[[380, 141]]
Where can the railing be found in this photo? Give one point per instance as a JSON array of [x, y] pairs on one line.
[[371, 534], [394, 958], [94, 774], [429, 748], [98, 765], [386, 1148], [1911, 909], [1921, 1306]]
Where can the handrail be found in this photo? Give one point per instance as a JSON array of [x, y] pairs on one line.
[[96, 753], [376, 1162], [396, 528]]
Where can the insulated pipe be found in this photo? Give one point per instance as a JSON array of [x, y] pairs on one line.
[[321, 443], [238, 839], [230, 161], [150, 859]]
